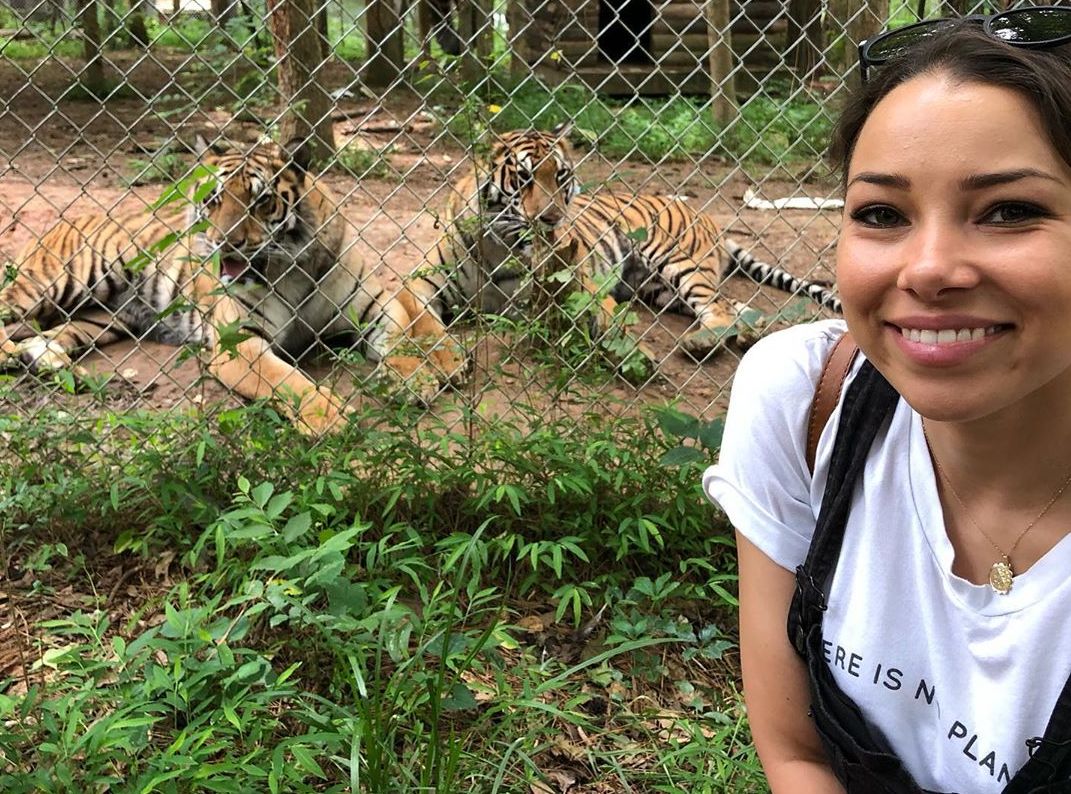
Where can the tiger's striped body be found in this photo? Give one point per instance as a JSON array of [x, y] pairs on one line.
[[287, 275], [656, 249], [666, 254]]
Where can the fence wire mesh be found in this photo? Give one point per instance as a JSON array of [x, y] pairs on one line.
[[204, 281]]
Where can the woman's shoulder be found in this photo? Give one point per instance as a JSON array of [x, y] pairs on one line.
[[761, 480], [789, 363]]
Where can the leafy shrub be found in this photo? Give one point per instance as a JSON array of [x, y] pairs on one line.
[[343, 617]]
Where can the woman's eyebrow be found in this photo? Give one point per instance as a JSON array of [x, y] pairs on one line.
[[972, 182], [882, 180], [983, 181]]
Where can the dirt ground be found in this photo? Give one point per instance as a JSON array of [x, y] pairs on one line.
[[64, 156]]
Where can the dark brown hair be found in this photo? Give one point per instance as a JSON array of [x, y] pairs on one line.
[[967, 54]]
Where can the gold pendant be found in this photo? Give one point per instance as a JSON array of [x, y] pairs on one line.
[[1000, 576]]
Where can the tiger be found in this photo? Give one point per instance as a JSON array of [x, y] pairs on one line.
[[287, 277], [649, 247]]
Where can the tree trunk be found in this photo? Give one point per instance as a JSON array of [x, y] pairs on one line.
[[139, 34], [321, 28], [722, 83], [222, 11], [517, 22], [383, 20], [870, 22], [300, 58], [475, 27], [93, 74], [859, 21], [803, 37], [112, 21], [135, 21]]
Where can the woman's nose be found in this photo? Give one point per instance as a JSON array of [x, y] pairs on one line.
[[936, 259]]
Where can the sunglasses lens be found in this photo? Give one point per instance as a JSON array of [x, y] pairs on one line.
[[895, 42], [1032, 25]]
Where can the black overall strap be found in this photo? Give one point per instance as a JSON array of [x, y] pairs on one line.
[[868, 403], [1049, 766]]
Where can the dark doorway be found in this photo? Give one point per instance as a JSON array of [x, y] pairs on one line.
[[625, 30]]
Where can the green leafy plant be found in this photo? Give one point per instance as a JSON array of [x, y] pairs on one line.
[[363, 163], [342, 612], [164, 166]]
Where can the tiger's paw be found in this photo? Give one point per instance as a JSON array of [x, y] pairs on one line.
[[9, 354], [413, 379], [451, 360], [321, 412], [706, 342], [39, 355]]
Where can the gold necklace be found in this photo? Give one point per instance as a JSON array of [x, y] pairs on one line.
[[1001, 573]]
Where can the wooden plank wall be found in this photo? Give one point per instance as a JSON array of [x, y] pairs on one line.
[[679, 33]]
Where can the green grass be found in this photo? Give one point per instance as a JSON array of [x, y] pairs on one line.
[[44, 44], [769, 130], [361, 614]]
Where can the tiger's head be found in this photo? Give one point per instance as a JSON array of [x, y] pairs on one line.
[[253, 202], [529, 179]]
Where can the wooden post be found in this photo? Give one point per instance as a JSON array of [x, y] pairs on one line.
[[222, 10], [300, 57], [869, 22], [424, 25], [93, 75], [720, 49], [475, 28], [135, 21], [383, 34], [858, 24], [803, 37], [519, 23]]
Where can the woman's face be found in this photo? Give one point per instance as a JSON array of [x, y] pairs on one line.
[[954, 260]]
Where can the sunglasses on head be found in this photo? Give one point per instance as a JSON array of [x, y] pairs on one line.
[[1035, 27]]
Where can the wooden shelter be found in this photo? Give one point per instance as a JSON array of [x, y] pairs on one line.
[[645, 46]]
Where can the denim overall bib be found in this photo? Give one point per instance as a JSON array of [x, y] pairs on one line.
[[860, 755]]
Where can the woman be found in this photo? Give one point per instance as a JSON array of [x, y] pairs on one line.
[[929, 646]]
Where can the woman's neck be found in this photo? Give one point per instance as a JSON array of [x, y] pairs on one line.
[[1019, 454]]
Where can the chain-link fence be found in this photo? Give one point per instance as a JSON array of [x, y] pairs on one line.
[[509, 254], [721, 110]]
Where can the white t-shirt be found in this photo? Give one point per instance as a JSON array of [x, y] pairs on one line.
[[956, 676]]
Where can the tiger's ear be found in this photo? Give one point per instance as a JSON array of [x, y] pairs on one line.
[[563, 130], [298, 154], [201, 146]]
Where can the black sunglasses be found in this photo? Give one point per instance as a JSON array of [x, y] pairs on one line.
[[1035, 27]]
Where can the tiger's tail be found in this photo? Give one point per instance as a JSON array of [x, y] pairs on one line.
[[762, 273]]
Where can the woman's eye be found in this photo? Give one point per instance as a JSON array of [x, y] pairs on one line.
[[1012, 213], [878, 216]]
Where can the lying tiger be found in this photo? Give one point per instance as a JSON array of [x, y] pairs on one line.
[[287, 277], [648, 247]]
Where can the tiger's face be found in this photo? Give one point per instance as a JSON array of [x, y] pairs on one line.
[[253, 210], [531, 179]]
